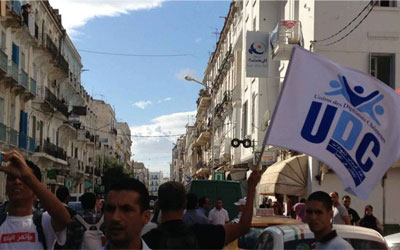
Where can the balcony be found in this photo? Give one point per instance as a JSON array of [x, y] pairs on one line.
[[13, 71], [16, 139], [204, 103], [13, 15], [76, 167], [50, 46], [23, 79], [3, 62], [33, 87], [203, 138], [63, 64], [3, 132], [51, 99], [52, 150], [13, 137]]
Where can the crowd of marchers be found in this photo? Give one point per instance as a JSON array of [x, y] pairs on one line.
[[124, 221]]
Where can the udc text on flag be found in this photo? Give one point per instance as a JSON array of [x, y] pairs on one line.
[[344, 117]]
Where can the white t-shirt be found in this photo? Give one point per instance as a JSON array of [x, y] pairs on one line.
[[338, 213], [19, 232], [218, 217]]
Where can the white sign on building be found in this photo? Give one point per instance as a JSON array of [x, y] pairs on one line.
[[257, 54]]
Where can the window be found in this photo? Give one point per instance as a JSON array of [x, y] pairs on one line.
[[244, 120], [386, 3], [15, 54], [382, 67]]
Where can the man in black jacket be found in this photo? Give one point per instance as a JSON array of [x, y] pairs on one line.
[[172, 232]]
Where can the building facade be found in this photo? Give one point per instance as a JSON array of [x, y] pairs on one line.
[[155, 180], [45, 112], [235, 106]]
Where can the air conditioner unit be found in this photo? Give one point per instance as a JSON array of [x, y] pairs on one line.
[[284, 37]]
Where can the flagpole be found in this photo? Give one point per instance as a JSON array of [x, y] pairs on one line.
[[258, 165]]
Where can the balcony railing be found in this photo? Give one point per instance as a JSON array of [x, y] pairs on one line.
[[13, 70], [15, 6], [51, 47], [53, 150], [59, 105], [14, 137], [23, 79], [3, 61], [31, 144], [32, 88], [23, 141], [3, 132], [63, 64]]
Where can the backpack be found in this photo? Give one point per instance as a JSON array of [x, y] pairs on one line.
[[92, 238], [37, 220]]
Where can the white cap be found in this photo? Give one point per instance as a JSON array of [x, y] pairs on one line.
[[241, 202]]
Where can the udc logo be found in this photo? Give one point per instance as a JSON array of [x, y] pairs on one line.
[[257, 48], [349, 142], [367, 104]]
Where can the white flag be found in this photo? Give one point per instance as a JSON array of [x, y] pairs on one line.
[[342, 116]]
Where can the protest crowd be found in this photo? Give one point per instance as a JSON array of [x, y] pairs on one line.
[[124, 221]]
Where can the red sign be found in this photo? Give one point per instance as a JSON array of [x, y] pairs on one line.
[[18, 237]]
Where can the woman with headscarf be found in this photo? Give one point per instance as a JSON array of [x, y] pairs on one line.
[[370, 221], [300, 209]]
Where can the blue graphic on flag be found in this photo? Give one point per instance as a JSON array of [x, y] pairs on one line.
[[353, 168], [363, 104]]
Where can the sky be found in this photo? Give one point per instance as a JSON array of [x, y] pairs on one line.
[[160, 42]]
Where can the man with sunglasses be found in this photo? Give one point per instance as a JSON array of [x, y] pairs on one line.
[[319, 215]]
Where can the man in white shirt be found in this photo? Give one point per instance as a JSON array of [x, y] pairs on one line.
[[218, 215], [340, 214], [19, 229]]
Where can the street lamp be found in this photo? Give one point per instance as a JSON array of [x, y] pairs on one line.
[[191, 79]]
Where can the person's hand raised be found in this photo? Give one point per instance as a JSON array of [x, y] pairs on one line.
[[17, 168]]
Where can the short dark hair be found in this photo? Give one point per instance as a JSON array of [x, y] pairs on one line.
[[303, 200], [62, 193], [88, 200], [131, 184], [321, 197], [171, 196], [191, 201], [202, 201], [346, 197], [35, 169]]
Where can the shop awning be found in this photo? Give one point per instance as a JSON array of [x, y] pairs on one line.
[[286, 177]]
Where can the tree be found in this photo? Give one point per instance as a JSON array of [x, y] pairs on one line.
[[113, 172]]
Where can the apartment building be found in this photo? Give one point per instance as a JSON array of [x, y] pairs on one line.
[[141, 173], [123, 145], [45, 112], [155, 180], [372, 47]]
